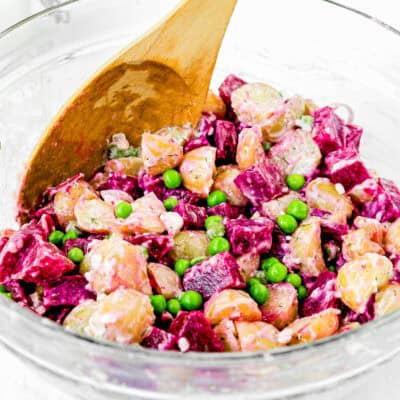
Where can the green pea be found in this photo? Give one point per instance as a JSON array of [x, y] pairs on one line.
[[173, 306], [298, 209], [181, 266], [191, 300], [216, 197], [276, 272], [76, 255], [197, 260], [259, 293], [170, 203], [123, 210], [159, 303], [267, 262], [287, 223], [253, 281], [2, 289], [213, 219], [301, 292], [56, 237], [332, 268], [216, 230], [295, 181], [71, 234], [145, 252], [266, 146], [294, 279], [218, 245], [172, 179]]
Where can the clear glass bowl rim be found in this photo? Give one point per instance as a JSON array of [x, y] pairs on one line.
[[176, 357]]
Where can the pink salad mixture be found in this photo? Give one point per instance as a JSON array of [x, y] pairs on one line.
[[260, 228]]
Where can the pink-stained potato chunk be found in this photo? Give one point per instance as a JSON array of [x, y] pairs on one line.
[[160, 153], [66, 200], [114, 263], [274, 208], [122, 316], [358, 279], [256, 336], [124, 166], [249, 150], [231, 304], [314, 327], [349, 327], [281, 308], [357, 243], [387, 299], [197, 170], [164, 280], [321, 193], [78, 319], [227, 334], [248, 264], [224, 180], [308, 257], [182, 134], [214, 104], [392, 238], [375, 230]]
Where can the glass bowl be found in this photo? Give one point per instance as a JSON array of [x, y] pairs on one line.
[[314, 48]]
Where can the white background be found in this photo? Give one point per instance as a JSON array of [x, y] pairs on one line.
[[18, 383]]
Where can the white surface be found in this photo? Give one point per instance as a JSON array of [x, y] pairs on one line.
[[18, 382]]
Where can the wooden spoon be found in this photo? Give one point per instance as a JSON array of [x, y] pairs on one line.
[[160, 80]]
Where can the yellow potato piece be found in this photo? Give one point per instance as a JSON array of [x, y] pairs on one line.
[[321, 193], [166, 281], [357, 243], [224, 180], [123, 317], [314, 327], [160, 153], [189, 245], [249, 149], [214, 104], [392, 238], [358, 279], [387, 299], [305, 247], [231, 304], [197, 170], [256, 336], [226, 332], [78, 319], [125, 165], [114, 263]]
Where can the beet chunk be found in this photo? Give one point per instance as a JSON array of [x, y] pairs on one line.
[[228, 86], [246, 235], [213, 275], [159, 339], [226, 140], [193, 216], [195, 333]]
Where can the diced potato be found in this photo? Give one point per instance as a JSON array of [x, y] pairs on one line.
[[214, 104], [94, 215], [78, 319], [296, 153], [314, 327], [364, 191], [224, 180], [321, 193], [123, 317], [226, 332], [274, 208], [248, 263], [113, 197], [173, 222], [125, 165], [349, 327], [254, 102], [146, 216], [283, 119], [197, 170], [375, 230], [309, 107], [392, 238], [249, 149], [115, 263], [160, 153], [164, 280], [357, 243], [65, 201], [189, 245], [305, 247], [231, 304], [387, 299], [256, 336], [281, 308], [358, 279], [180, 133]]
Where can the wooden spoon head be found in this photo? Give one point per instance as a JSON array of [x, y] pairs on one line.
[[128, 98]]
